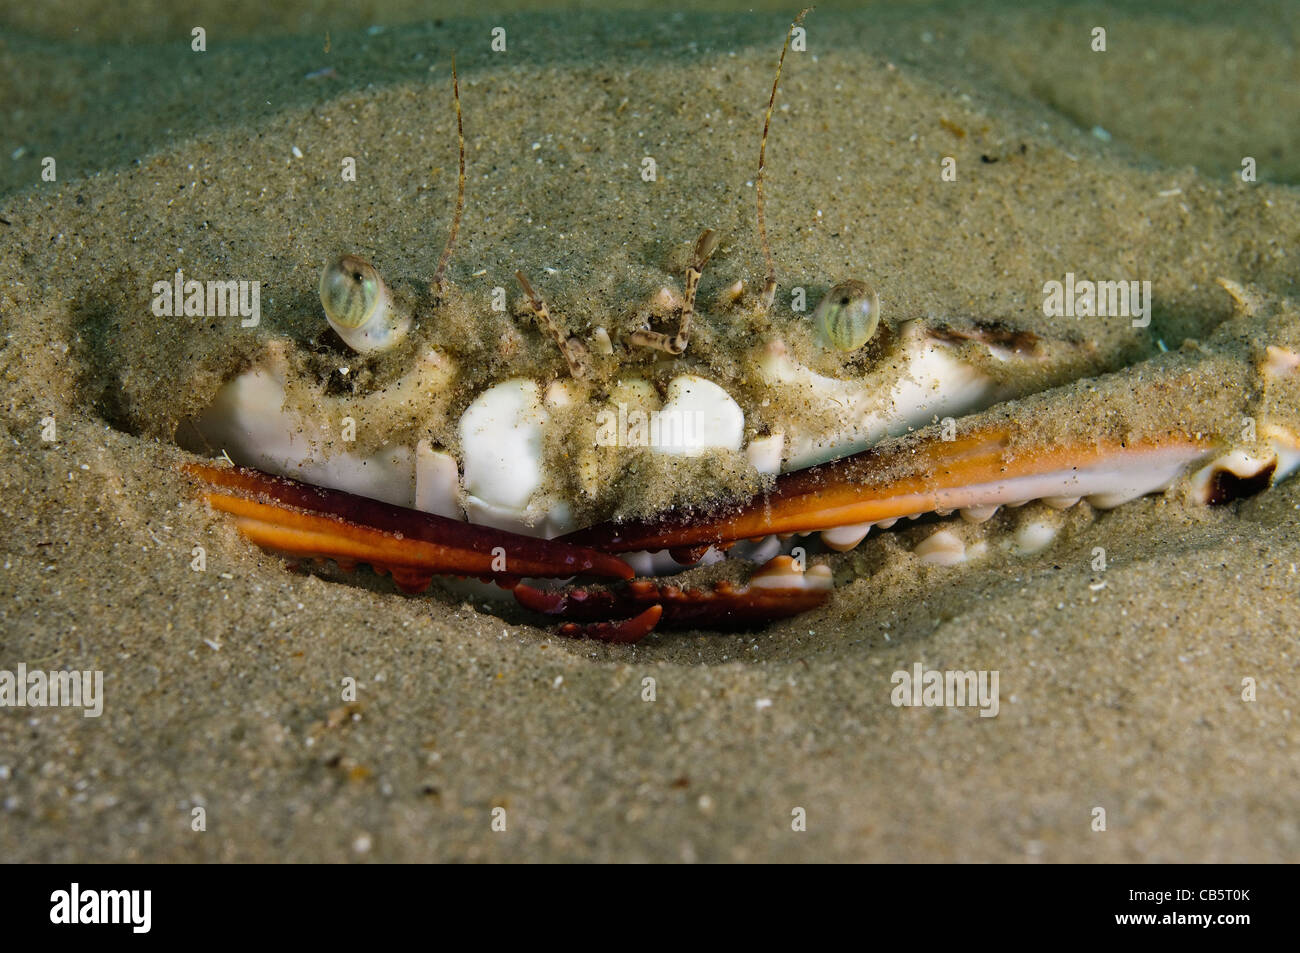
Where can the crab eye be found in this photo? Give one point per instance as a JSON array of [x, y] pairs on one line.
[[848, 315], [349, 290], [358, 307]]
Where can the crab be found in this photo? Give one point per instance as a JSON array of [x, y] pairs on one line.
[[457, 444]]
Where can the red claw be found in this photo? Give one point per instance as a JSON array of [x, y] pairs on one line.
[[310, 521], [775, 592], [307, 521], [627, 632]]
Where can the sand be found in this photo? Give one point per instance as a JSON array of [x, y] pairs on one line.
[[1120, 688]]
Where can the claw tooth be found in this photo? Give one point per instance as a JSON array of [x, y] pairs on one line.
[[782, 572], [775, 581], [759, 550], [712, 556], [818, 576], [944, 548], [1108, 501], [778, 572], [843, 538], [978, 514], [411, 581], [943, 511], [1060, 502], [886, 524]]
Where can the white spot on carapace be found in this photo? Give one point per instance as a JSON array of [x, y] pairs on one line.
[[1280, 361], [701, 416], [437, 482], [501, 446], [764, 453], [600, 342]]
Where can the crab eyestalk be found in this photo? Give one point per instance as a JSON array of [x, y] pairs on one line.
[[848, 315], [359, 307]]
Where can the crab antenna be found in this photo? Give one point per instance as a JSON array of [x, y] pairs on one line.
[[676, 343], [574, 351], [436, 284], [769, 286]]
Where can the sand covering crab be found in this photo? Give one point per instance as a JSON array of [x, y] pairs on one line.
[[635, 451]]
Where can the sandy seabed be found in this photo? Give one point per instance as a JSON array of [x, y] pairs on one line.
[[1120, 689]]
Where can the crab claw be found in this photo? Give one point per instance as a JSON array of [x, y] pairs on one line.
[[986, 467], [777, 591], [316, 522], [626, 632]]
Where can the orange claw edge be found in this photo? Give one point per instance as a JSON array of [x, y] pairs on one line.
[[305, 521], [905, 477]]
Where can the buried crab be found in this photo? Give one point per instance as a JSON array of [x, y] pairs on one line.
[[637, 451]]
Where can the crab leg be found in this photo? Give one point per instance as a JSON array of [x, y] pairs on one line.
[[316, 522], [574, 351], [915, 475]]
